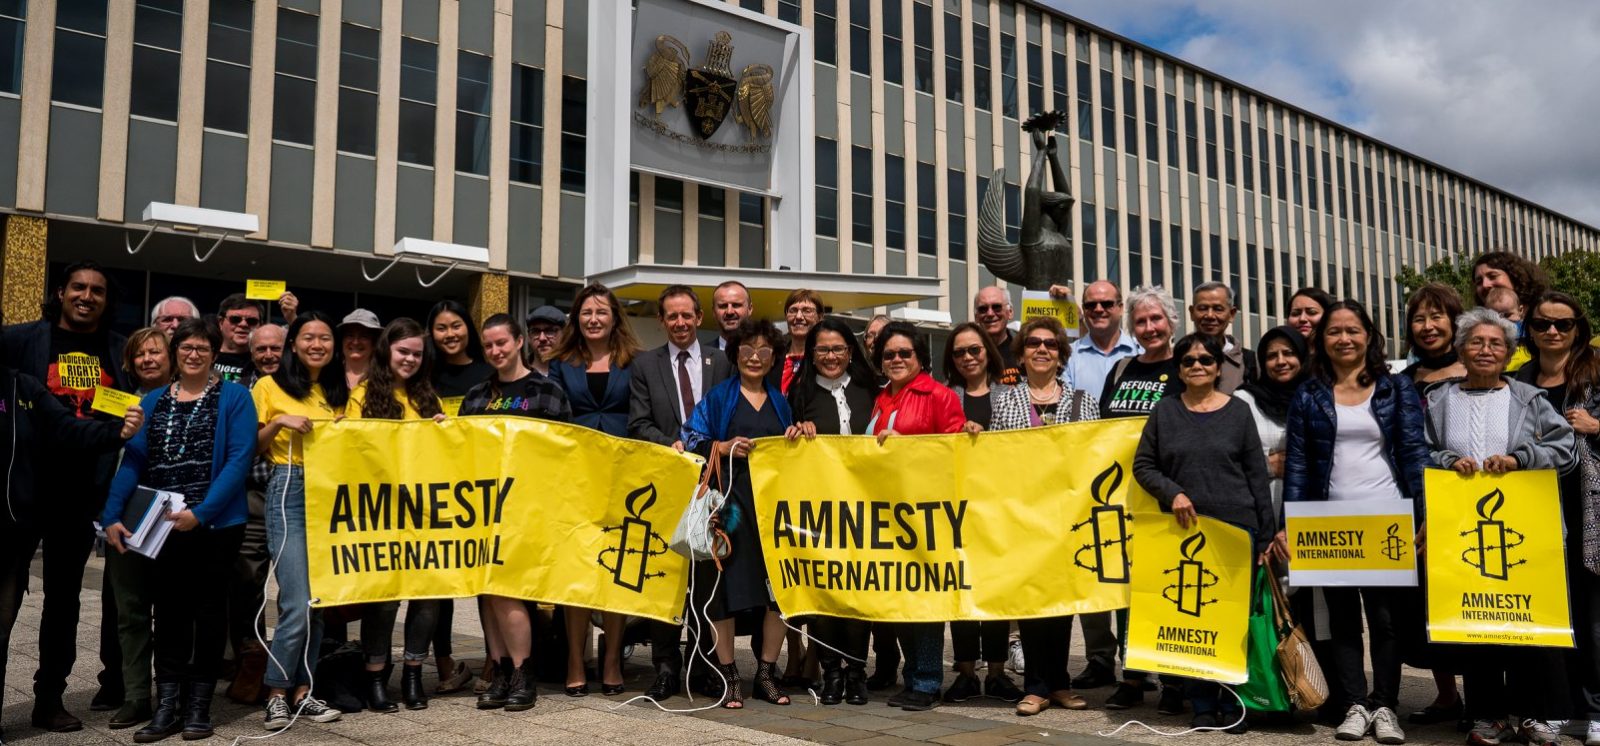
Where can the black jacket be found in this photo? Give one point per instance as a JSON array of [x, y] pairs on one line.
[[31, 419], [1312, 425]]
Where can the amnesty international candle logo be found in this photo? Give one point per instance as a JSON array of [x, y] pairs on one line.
[[637, 542], [1355, 543], [1188, 592], [1109, 525], [1499, 577], [1394, 547], [1190, 599]]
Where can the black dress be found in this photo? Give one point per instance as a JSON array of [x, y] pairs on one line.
[[744, 572]]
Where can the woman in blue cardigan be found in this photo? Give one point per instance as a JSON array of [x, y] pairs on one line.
[[198, 442]]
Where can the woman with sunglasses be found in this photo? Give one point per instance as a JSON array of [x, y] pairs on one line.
[[1200, 455], [725, 424], [1355, 432], [1041, 400], [914, 404]]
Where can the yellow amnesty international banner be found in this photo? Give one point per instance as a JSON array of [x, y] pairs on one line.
[[1497, 569], [1351, 543], [1190, 610], [1002, 525], [510, 506], [1037, 303]]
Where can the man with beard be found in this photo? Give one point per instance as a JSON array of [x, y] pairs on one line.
[[544, 328], [732, 305], [667, 383], [991, 308], [237, 316], [74, 352]]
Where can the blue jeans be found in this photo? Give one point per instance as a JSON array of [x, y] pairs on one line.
[[923, 643], [299, 632]]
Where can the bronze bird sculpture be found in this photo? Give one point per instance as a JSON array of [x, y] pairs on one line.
[[754, 100], [664, 72], [1044, 255]]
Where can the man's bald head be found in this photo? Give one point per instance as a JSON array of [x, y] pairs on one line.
[[266, 348]]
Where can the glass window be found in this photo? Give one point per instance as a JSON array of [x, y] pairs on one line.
[[12, 25], [358, 89], [752, 209], [927, 215], [157, 42], [861, 194], [956, 192], [981, 86], [713, 202], [669, 194], [294, 103], [861, 36], [952, 57], [1008, 74], [228, 65], [892, 33], [1058, 88], [574, 112], [473, 84], [827, 174], [419, 87], [922, 22], [1013, 213], [894, 194], [78, 73], [789, 10], [527, 124], [825, 24], [755, 5]]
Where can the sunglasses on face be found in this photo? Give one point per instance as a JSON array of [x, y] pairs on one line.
[[1096, 305], [747, 352], [1204, 361], [1544, 325], [972, 352], [1035, 342], [901, 354], [989, 308], [241, 320]]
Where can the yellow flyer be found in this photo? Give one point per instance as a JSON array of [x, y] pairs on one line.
[[112, 401], [451, 405], [1190, 607], [1037, 303], [1497, 568], [269, 290], [1351, 543]]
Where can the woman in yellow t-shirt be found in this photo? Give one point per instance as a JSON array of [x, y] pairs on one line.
[[398, 386], [308, 386]]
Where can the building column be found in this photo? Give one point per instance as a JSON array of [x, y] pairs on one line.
[[488, 293], [22, 287]]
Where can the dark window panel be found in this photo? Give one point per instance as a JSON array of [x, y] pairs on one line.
[[1008, 75], [752, 209], [358, 57], [952, 57], [527, 95], [419, 66], [154, 91], [294, 106], [669, 193], [88, 16], [789, 10], [713, 202], [527, 147], [416, 133], [982, 87], [825, 28], [473, 83], [11, 32], [159, 23], [472, 143], [358, 121], [228, 35], [227, 97], [297, 44], [827, 162], [574, 111], [79, 70]]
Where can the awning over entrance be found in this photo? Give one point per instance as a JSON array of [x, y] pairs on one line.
[[842, 293]]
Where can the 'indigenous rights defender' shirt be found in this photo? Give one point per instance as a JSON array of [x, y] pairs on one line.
[[77, 364]]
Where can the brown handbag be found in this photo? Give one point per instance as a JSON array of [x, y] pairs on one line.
[[1302, 676]]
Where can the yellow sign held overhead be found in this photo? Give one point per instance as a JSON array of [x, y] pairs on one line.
[[1351, 543], [268, 290], [1036, 304], [112, 401], [1497, 570], [1190, 608]]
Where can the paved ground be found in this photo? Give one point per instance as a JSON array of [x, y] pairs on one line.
[[453, 720]]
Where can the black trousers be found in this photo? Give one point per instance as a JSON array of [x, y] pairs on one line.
[[1583, 663], [987, 641], [66, 541], [886, 645], [1343, 658], [191, 619], [248, 578], [1045, 643], [848, 635], [1530, 682]]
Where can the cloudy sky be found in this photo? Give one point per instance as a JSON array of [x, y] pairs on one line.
[[1504, 92]]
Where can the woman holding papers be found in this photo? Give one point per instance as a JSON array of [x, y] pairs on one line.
[[725, 422], [1488, 422], [398, 386], [1200, 455], [198, 443], [1038, 401], [1354, 433]]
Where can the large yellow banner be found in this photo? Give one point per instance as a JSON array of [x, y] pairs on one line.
[[1497, 569], [1003, 525], [509, 506], [1190, 610]]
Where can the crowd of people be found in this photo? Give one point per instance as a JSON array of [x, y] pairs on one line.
[[1312, 413]]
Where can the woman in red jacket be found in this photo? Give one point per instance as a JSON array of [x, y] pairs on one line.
[[914, 404]]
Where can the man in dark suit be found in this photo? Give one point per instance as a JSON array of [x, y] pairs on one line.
[[668, 382]]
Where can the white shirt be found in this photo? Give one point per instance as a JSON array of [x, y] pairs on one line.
[[1272, 440], [1359, 470], [695, 370]]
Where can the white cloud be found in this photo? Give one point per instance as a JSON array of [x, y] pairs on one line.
[[1502, 92]]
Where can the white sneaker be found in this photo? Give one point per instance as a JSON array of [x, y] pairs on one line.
[[1386, 727], [316, 710], [1014, 657], [1357, 721], [1542, 732], [1593, 738], [1489, 733]]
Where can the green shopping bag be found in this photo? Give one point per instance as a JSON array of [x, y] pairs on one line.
[[1265, 691]]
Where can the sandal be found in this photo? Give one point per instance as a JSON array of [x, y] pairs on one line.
[[1066, 700], [1032, 704], [732, 697], [456, 680], [764, 687]]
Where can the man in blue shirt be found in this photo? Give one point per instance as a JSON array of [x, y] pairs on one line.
[[1094, 355]]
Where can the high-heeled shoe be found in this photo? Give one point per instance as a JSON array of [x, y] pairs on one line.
[[581, 690], [611, 690], [765, 686]]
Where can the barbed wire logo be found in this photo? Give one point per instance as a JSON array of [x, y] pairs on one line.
[[1109, 541], [1188, 594], [1494, 540], [1394, 547], [635, 546]]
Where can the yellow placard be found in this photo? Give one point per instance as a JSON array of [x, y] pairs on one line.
[[112, 401], [1351, 543], [268, 290], [451, 405], [931, 528], [509, 506], [1190, 608], [1496, 561], [1036, 304]]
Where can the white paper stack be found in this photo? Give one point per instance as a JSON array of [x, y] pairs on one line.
[[154, 528]]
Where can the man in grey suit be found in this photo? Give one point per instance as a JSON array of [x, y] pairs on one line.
[[667, 383]]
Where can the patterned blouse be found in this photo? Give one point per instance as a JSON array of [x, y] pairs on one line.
[[182, 436]]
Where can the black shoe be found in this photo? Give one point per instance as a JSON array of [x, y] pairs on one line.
[[106, 699], [1204, 720], [665, 685], [521, 695], [832, 686], [1146, 684], [53, 717], [855, 686], [494, 697], [1126, 696], [1094, 676], [899, 698], [168, 717], [1434, 714], [919, 702], [883, 678], [197, 721], [411, 691], [1000, 686], [765, 684], [1236, 724], [131, 714], [1171, 702], [965, 687], [378, 692]]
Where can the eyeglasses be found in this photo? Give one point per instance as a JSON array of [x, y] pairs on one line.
[[545, 332], [239, 319], [972, 352], [1204, 361], [989, 307], [187, 350], [1096, 305], [904, 353], [833, 351], [1479, 343], [171, 319], [746, 352], [1544, 325], [1045, 342], [797, 310]]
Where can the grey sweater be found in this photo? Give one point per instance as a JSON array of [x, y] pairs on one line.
[[1214, 458]]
